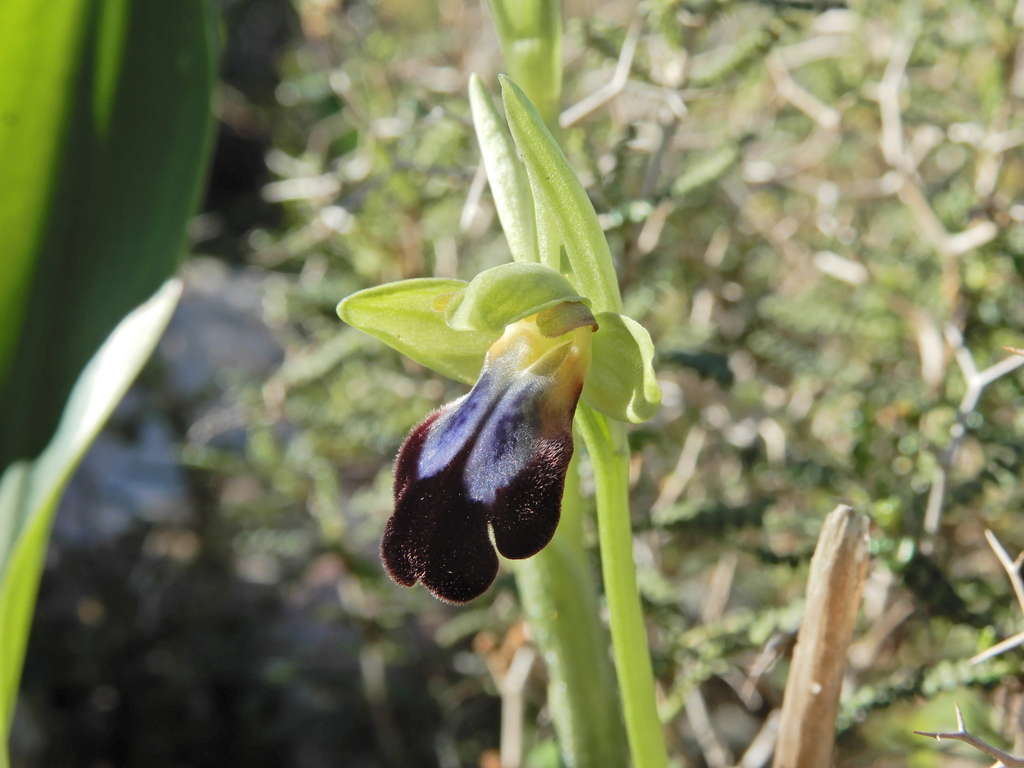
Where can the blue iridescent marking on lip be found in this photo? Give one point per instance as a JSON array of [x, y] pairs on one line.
[[506, 442], [456, 427]]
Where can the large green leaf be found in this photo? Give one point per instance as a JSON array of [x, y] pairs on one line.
[[104, 130], [39, 54], [29, 492]]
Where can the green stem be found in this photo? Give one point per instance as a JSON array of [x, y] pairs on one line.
[[559, 594], [609, 455]]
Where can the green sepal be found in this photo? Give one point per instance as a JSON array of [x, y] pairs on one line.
[[621, 383], [556, 188], [510, 186], [403, 316], [507, 293]]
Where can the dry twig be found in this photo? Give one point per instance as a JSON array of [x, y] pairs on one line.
[[976, 382], [512, 704], [1012, 568], [760, 750], [615, 86], [676, 482]]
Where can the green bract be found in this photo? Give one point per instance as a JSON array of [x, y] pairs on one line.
[[530, 32], [448, 325], [506, 176]]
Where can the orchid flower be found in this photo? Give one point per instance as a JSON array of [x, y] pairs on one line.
[[534, 337]]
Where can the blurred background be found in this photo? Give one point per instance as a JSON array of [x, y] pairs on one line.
[[816, 210]]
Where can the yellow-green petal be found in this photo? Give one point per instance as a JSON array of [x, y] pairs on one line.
[[621, 383], [507, 293]]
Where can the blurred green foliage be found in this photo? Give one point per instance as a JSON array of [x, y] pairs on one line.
[[817, 214], [802, 277]]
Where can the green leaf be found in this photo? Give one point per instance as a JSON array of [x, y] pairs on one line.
[[530, 32], [29, 492], [549, 241], [621, 383], [403, 316], [507, 293], [510, 186], [105, 129], [557, 190]]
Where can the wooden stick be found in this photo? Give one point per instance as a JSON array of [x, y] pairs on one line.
[[811, 701]]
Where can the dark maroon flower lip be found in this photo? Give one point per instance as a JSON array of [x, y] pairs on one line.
[[496, 457]]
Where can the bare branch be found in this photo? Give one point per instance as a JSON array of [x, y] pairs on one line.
[[804, 100], [976, 382], [929, 344], [1008, 644], [512, 687], [864, 652], [676, 483], [889, 104], [1012, 568], [720, 586], [760, 750]]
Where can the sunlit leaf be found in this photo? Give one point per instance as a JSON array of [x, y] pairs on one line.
[[507, 293], [29, 493]]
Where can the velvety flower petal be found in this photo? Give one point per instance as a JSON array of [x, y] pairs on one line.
[[436, 535], [526, 512], [497, 456]]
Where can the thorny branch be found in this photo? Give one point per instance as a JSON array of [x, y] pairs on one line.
[[961, 734]]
